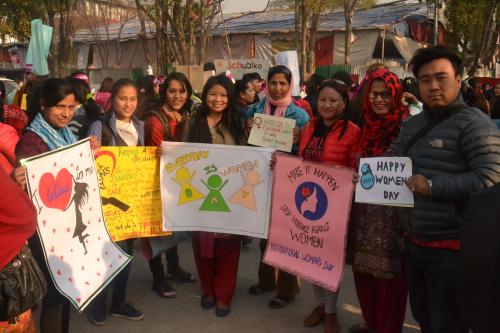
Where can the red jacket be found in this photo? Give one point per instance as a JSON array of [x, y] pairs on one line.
[[8, 141], [343, 152], [17, 219]]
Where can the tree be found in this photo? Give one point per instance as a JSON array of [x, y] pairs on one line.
[[99, 20], [182, 28], [470, 27]]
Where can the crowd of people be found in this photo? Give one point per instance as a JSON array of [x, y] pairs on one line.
[[394, 252]]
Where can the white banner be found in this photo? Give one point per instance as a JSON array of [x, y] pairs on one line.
[[238, 67], [81, 257], [290, 60], [216, 188], [383, 181]]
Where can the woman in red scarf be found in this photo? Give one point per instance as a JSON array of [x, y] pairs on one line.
[[374, 230]]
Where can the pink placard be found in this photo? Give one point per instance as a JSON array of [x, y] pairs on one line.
[[309, 214]]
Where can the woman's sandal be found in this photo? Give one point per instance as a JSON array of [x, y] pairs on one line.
[[279, 302], [164, 289], [207, 302], [182, 276], [257, 290]]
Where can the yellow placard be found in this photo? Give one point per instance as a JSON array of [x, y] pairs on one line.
[[129, 181], [24, 102]]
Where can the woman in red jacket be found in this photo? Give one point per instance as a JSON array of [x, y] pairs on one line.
[[331, 139]]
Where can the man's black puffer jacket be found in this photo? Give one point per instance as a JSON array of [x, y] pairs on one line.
[[460, 155]]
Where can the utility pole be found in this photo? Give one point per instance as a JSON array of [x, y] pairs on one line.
[[436, 22]]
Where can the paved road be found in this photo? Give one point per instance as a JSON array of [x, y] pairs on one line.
[[250, 313]]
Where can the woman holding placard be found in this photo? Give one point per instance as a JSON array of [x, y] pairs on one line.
[[118, 127], [164, 124], [330, 138], [218, 122], [278, 102], [373, 248], [53, 107]]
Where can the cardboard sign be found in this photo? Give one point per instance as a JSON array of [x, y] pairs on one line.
[[272, 132], [78, 250], [311, 204], [217, 188], [129, 180], [383, 181], [239, 67], [290, 60]]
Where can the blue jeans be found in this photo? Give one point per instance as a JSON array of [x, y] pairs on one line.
[[431, 275]]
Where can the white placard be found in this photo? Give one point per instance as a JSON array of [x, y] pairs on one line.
[[290, 60], [383, 181], [272, 132], [78, 250], [239, 67], [216, 188]]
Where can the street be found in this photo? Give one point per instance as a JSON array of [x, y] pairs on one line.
[[249, 313]]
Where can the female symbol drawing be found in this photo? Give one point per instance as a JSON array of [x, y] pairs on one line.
[[214, 201]]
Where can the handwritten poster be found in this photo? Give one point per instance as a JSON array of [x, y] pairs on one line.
[[383, 181], [272, 132], [217, 188], [78, 250], [239, 67], [311, 204], [129, 180]]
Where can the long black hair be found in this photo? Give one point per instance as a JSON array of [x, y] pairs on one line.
[[340, 88], [176, 76], [84, 97], [231, 119], [50, 92]]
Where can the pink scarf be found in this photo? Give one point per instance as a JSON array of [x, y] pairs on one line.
[[281, 105]]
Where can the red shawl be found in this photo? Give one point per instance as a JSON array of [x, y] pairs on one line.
[[380, 131]]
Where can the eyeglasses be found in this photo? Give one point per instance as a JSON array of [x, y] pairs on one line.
[[385, 95]]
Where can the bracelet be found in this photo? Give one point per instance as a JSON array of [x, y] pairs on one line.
[[429, 181]]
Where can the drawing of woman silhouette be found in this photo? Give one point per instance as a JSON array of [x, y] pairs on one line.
[[214, 201], [80, 198]]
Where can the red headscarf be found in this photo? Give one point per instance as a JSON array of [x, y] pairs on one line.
[[380, 131]]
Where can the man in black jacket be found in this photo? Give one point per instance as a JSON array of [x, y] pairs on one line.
[[455, 151]]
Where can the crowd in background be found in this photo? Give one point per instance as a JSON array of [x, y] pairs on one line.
[[432, 118]]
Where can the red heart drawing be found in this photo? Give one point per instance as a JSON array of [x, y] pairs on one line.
[[56, 193], [70, 280], [59, 272], [44, 222], [68, 229], [78, 299]]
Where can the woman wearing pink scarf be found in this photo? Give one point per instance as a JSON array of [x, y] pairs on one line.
[[278, 102]]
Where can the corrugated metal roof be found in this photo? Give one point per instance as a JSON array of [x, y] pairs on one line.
[[274, 22]]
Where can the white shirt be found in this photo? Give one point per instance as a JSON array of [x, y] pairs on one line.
[[127, 132]]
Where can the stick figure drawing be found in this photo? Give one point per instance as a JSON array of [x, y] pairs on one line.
[[214, 201], [245, 196]]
